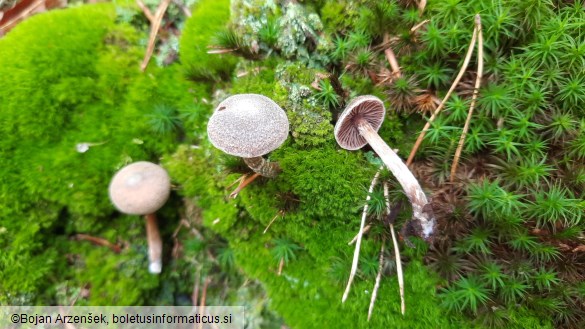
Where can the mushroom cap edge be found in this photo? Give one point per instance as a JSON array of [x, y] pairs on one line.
[[140, 188], [248, 125], [346, 132]]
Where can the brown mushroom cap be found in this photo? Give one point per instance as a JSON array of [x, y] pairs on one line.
[[140, 188], [248, 125], [368, 107]]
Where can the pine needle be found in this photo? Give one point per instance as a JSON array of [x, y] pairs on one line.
[[243, 182], [356, 254], [473, 98], [203, 298], [195, 294], [399, 272], [366, 230], [146, 11], [279, 213], [422, 134], [421, 6], [154, 27], [378, 279], [280, 266]]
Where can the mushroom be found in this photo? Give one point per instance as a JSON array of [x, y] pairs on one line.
[[357, 126], [142, 188], [249, 126]]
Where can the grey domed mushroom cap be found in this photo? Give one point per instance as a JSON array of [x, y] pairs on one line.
[[248, 125], [368, 107], [140, 188]]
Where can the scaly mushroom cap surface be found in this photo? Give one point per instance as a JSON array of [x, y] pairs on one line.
[[368, 107], [248, 125], [140, 188]]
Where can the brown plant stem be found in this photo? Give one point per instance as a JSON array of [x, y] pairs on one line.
[[422, 134], [154, 244], [356, 254], [22, 10], [473, 98], [404, 176], [263, 167], [154, 27]]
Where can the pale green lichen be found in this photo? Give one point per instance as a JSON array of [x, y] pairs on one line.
[[310, 121], [299, 35], [250, 17], [288, 29]]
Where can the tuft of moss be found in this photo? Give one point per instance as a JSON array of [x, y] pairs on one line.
[[208, 18]]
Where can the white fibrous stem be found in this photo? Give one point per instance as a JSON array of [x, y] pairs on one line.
[[409, 184], [154, 244]]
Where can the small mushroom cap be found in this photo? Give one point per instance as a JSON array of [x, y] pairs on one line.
[[248, 125], [368, 107], [140, 188]]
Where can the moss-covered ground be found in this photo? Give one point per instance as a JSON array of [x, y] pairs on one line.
[[75, 108]]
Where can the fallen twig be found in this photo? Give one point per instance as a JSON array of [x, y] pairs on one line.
[[419, 25], [378, 279], [440, 107], [356, 254], [473, 97], [98, 241], [280, 267], [399, 272], [391, 57], [154, 27]]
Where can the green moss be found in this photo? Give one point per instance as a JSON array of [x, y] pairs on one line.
[[71, 78], [334, 16], [209, 17]]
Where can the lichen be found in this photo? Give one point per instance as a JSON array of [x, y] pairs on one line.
[[300, 36]]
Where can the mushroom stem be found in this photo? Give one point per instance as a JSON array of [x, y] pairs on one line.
[[410, 185], [154, 244], [263, 167]]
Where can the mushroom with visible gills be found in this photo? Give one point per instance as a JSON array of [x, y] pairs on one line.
[[142, 188], [249, 126], [357, 126]]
